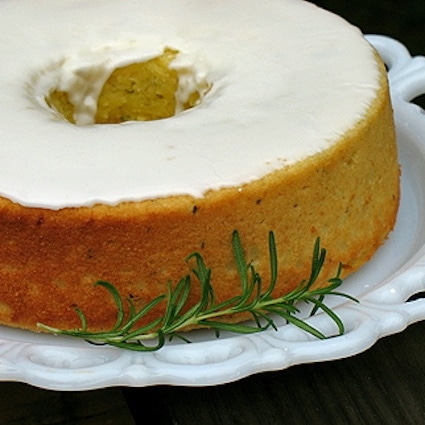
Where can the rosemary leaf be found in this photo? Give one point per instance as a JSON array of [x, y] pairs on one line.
[[273, 266], [135, 317], [138, 346], [117, 299], [241, 266], [82, 318], [319, 304], [302, 324], [179, 296]]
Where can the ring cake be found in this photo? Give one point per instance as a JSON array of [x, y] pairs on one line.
[[135, 133]]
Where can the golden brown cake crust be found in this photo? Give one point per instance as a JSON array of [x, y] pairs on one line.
[[347, 195]]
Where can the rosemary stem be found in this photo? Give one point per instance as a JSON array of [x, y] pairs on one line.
[[207, 312]]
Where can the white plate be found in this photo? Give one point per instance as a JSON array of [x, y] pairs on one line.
[[383, 287]]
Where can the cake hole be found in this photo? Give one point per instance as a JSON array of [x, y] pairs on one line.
[[93, 93]]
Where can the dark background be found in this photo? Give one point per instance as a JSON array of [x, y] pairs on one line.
[[400, 19]]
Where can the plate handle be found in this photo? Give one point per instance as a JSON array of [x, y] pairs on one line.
[[406, 73]]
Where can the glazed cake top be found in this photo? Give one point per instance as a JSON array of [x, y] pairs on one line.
[[288, 80]]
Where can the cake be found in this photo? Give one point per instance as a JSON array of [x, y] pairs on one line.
[[269, 115]]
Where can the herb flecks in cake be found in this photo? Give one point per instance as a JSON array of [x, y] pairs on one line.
[[255, 300]]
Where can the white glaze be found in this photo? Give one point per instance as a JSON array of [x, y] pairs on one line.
[[288, 80]]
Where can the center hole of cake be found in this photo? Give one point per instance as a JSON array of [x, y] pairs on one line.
[[158, 88]]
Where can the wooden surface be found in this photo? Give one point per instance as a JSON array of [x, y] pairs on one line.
[[384, 385]]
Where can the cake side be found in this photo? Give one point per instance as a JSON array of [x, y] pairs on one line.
[[347, 195]]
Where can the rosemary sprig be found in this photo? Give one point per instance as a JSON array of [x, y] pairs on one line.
[[253, 300]]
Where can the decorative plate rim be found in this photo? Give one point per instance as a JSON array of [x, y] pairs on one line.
[[384, 287]]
